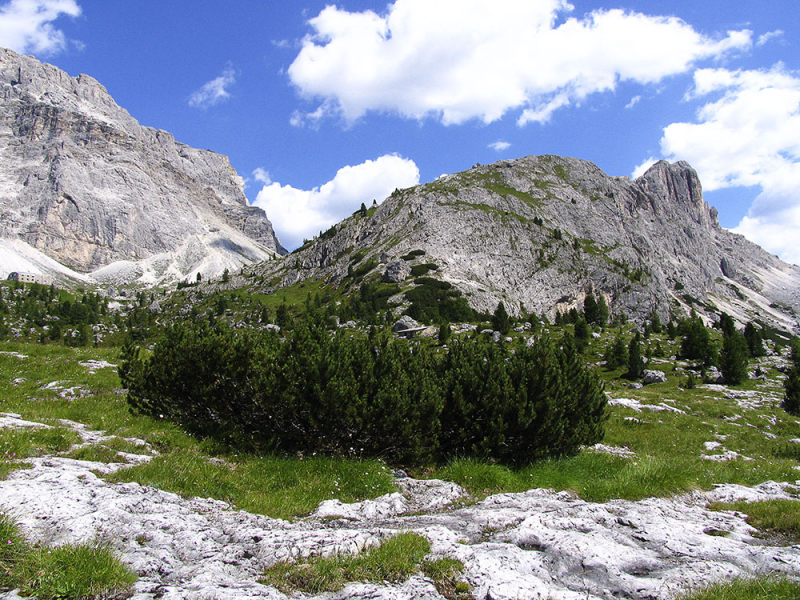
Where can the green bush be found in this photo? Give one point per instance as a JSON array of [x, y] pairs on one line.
[[368, 395], [433, 301], [418, 270], [412, 255]]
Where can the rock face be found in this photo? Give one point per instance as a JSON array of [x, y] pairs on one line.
[[535, 544], [539, 233], [84, 183]]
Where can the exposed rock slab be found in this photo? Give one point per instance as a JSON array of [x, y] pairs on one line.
[[539, 543]]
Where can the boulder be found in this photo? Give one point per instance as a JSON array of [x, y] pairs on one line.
[[652, 376], [396, 271], [404, 323]]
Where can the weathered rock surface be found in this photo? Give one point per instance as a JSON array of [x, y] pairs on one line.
[[85, 184], [537, 544], [539, 232], [652, 376]]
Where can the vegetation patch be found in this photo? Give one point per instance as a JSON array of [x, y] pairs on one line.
[[418, 270], [777, 520], [85, 571], [368, 395], [278, 487], [412, 255], [394, 561], [759, 588]]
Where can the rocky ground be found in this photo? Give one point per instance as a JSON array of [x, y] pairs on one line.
[[537, 544]]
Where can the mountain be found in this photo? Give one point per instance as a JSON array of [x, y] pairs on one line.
[[82, 183], [540, 232]]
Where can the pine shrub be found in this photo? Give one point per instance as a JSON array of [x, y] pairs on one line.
[[373, 395]]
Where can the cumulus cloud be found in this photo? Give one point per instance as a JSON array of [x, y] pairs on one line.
[[642, 168], [261, 175], [456, 60], [301, 214], [215, 91], [500, 146], [748, 134], [26, 26]]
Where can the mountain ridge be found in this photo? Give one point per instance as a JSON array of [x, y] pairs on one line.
[[87, 185], [540, 232]]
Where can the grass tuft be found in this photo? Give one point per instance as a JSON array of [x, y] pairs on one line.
[[777, 520], [395, 561], [85, 571], [774, 588], [277, 487]]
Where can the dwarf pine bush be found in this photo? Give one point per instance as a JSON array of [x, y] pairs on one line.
[[368, 395]]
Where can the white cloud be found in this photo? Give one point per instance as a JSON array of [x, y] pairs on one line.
[[634, 101], [500, 146], [456, 60], [748, 134], [301, 214], [26, 26], [215, 91], [642, 168], [261, 175], [769, 36]]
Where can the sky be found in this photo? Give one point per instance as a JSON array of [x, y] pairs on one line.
[[321, 107]]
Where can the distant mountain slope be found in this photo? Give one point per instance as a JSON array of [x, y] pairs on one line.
[[539, 232], [85, 184]]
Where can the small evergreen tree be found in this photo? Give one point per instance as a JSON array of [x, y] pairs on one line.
[[697, 344], [655, 322], [635, 362], [444, 332], [602, 310], [363, 210], [791, 386], [226, 276], [616, 354], [733, 359], [726, 324], [582, 335], [755, 340], [591, 311], [500, 320]]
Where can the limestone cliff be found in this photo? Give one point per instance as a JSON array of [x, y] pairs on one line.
[[84, 183], [540, 232]]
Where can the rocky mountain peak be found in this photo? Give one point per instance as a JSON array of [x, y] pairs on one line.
[[539, 232], [83, 183]]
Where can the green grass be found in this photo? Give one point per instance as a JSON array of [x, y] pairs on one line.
[[84, 571], [778, 520], [278, 487], [16, 444], [273, 486], [773, 588], [395, 560]]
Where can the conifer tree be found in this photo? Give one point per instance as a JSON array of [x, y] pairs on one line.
[[582, 335], [655, 322], [616, 353], [733, 359], [590, 309], [500, 320], [755, 340], [791, 386], [635, 362]]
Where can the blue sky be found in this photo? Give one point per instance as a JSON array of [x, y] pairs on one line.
[[321, 107]]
